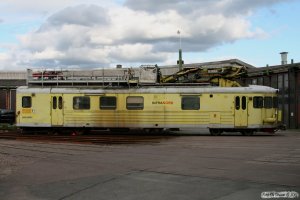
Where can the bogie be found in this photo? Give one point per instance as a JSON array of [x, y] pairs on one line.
[[247, 132], [215, 132]]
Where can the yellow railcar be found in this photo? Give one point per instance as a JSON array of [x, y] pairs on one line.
[[243, 109]]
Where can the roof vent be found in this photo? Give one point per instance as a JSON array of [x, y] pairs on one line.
[[284, 58]]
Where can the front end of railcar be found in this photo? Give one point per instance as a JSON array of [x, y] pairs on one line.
[[272, 120]]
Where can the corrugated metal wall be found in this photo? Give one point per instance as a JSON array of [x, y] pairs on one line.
[[288, 83], [298, 99], [3, 99], [8, 99]]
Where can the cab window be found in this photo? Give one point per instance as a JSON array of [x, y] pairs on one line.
[[108, 103], [268, 103], [275, 102], [26, 102], [258, 102], [135, 103], [190, 103], [81, 103]]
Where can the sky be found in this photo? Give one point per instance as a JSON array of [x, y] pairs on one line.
[[90, 34]]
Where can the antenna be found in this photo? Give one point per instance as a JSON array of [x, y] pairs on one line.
[[180, 61], [178, 32]]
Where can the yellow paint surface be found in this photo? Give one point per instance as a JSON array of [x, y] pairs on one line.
[[160, 110]]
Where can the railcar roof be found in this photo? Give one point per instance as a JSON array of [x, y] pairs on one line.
[[161, 90]]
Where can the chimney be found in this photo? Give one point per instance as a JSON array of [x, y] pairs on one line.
[[284, 58]]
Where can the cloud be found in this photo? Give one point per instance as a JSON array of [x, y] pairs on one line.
[[99, 36], [138, 32], [1, 20], [44, 8], [136, 52], [85, 15], [188, 7]]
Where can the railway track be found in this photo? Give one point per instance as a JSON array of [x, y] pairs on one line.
[[102, 138]]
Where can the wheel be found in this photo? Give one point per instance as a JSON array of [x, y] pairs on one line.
[[247, 132], [54, 132], [215, 132], [157, 130], [147, 130], [86, 131], [118, 130], [153, 130]]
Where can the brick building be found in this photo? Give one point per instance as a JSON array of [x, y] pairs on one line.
[[9, 81]]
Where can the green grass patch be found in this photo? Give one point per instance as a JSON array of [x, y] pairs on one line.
[[4, 126]]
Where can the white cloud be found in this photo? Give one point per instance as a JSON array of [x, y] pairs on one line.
[[136, 52], [48, 53], [92, 35], [8, 61], [4, 58]]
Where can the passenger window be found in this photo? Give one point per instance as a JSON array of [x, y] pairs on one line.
[[26, 102], [275, 102], [135, 103], [60, 103], [190, 103], [54, 103], [81, 103], [108, 103], [237, 103], [244, 103], [268, 102], [258, 102]]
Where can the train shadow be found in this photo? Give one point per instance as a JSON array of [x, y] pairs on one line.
[[163, 133], [188, 132]]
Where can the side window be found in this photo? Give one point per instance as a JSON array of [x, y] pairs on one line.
[[135, 103], [54, 103], [108, 103], [268, 102], [244, 103], [81, 103], [26, 102], [190, 103], [258, 102], [237, 103], [275, 102]]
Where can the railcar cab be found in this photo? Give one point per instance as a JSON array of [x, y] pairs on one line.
[[267, 108], [261, 110], [254, 112]]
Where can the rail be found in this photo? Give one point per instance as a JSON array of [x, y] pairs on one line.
[[99, 138]]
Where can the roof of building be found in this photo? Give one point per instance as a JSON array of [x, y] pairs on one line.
[[13, 75], [18, 77], [273, 69], [12, 83], [220, 63]]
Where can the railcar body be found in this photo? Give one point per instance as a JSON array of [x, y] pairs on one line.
[[244, 109]]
